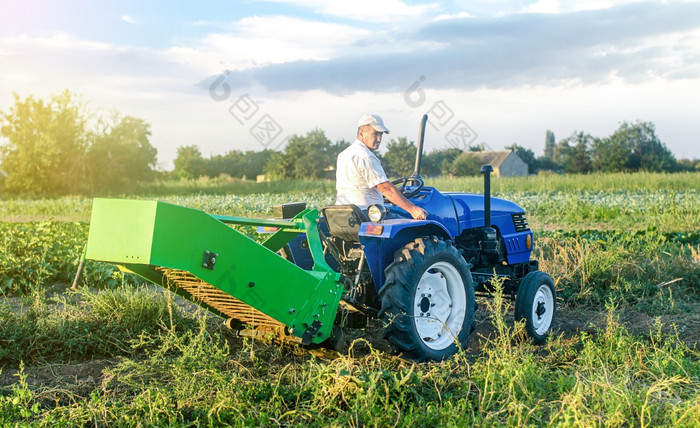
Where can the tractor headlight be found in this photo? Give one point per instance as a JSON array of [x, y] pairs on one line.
[[375, 212]]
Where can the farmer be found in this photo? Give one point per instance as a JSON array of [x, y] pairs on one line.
[[360, 178]]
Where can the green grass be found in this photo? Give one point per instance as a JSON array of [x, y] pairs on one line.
[[670, 202], [590, 269], [83, 324], [668, 210], [196, 375], [536, 183], [227, 185], [639, 181], [37, 255], [250, 205], [631, 239]]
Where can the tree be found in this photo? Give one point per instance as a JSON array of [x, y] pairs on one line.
[[400, 156], [337, 147], [236, 163], [253, 163], [305, 157], [549, 143], [311, 166], [545, 164], [439, 162], [633, 147], [688, 165], [121, 155], [52, 150], [573, 153], [309, 155], [46, 143], [647, 152], [228, 164], [466, 164], [276, 167], [611, 155], [581, 162], [430, 164], [189, 162]]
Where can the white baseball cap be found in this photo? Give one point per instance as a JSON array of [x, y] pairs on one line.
[[374, 120]]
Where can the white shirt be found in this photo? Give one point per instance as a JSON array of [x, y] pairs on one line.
[[357, 175]]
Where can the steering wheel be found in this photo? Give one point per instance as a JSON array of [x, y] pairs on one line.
[[402, 183]]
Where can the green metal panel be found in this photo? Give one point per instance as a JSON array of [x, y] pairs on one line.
[[134, 222], [130, 232]]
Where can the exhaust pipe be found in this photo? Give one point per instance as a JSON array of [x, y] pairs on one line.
[[487, 170], [419, 150]]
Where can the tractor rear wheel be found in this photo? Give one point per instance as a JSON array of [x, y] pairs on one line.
[[427, 300], [536, 303]]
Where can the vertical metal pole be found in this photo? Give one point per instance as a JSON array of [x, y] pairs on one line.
[[487, 170], [81, 265], [419, 149]]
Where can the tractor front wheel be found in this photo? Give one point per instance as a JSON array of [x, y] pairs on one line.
[[536, 303], [427, 300]]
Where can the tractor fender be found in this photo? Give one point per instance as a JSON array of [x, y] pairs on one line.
[[379, 246]]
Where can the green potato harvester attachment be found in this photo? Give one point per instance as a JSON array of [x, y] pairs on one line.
[[203, 259]]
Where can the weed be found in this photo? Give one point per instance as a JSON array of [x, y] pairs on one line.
[[19, 404], [82, 325], [192, 375]]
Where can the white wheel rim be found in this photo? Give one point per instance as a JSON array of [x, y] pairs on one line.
[[544, 300], [439, 305]]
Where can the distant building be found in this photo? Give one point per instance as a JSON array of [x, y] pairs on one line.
[[505, 163]]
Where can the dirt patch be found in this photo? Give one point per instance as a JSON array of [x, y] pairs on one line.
[[59, 375], [572, 321], [58, 384]]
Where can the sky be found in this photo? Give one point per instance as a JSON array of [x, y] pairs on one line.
[[247, 75]]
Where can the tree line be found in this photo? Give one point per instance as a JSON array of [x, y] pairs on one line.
[[632, 147], [59, 147]]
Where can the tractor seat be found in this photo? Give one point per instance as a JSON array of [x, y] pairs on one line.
[[344, 221]]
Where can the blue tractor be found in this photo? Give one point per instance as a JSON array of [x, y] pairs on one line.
[[421, 276]]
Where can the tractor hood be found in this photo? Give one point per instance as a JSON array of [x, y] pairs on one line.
[[458, 211], [469, 208]]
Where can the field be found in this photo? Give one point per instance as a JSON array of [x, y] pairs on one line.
[[623, 250]]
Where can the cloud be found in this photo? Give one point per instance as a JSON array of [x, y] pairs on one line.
[[543, 6], [260, 41], [130, 19], [632, 42], [364, 10], [52, 63]]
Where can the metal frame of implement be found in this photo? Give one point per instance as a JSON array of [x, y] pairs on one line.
[[150, 238]]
